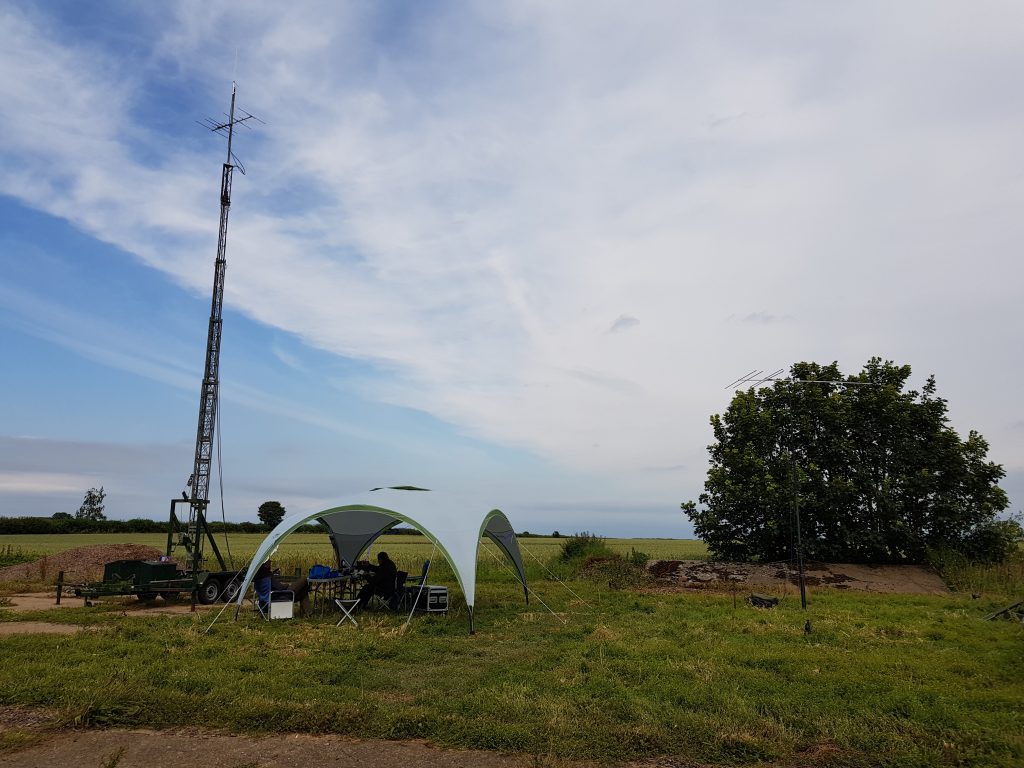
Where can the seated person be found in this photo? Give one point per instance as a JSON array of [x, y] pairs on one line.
[[268, 578], [261, 585], [382, 581]]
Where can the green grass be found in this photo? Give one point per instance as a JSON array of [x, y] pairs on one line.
[[881, 680], [1006, 578], [14, 555]]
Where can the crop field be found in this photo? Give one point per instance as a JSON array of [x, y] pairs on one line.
[[303, 549], [590, 673]]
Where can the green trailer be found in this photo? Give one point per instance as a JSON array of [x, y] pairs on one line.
[[147, 579]]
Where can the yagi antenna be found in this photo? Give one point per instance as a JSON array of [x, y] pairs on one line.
[[227, 128], [756, 378]]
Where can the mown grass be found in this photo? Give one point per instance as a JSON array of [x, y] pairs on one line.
[[616, 674], [881, 680]]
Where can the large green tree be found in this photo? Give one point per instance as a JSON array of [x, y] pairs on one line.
[[877, 472], [271, 513]]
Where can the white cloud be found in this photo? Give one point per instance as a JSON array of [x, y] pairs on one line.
[[477, 201], [43, 482]]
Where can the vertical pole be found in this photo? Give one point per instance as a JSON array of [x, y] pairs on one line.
[[60, 585], [795, 490], [799, 542]]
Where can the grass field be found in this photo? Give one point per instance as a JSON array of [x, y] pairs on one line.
[[245, 544], [902, 681], [301, 550], [613, 675]]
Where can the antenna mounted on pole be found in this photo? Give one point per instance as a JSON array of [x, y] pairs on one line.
[[198, 494], [227, 128], [755, 379]]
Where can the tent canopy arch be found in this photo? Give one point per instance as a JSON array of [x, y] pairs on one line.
[[454, 526]]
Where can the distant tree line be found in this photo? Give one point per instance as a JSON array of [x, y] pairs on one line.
[[62, 522], [65, 523]]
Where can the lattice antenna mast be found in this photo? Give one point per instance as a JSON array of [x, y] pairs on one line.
[[199, 482]]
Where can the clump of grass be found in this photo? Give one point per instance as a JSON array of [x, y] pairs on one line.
[[589, 556], [12, 555], [581, 546], [962, 574]]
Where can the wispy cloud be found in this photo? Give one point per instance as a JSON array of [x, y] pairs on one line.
[[466, 200], [43, 482], [623, 323]]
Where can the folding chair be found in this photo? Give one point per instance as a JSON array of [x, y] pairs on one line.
[[278, 604], [415, 581], [396, 600], [261, 598], [347, 608]]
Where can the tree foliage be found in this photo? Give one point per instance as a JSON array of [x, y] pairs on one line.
[[271, 513], [92, 505], [878, 473]]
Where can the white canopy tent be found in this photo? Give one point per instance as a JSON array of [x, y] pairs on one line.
[[455, 526]]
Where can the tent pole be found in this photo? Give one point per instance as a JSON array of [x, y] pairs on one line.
[[472, 627]]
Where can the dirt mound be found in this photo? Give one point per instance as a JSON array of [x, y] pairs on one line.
[[78, 564], [714, 575]]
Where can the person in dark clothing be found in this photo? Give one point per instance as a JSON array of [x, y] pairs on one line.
[[382, 582]]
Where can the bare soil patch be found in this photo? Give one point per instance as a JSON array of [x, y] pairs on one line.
[[35, 739], [130, 606], [79, 564], [717, 576], [145, 748], [148, 748]]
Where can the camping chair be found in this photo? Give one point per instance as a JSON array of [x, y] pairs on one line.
[[261, 598], [276, 604], [396, 600], [415, 581]]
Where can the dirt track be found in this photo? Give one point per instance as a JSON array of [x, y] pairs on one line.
[[47, 745], [148, 748]]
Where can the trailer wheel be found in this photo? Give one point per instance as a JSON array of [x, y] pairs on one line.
[[209, 591], [230, 591]]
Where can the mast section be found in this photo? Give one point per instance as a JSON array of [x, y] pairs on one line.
[[199, 483]]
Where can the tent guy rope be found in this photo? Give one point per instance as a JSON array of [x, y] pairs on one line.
[[552, 575], [539, 600]]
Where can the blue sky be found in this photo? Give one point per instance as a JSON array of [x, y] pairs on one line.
[[508, 249]]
